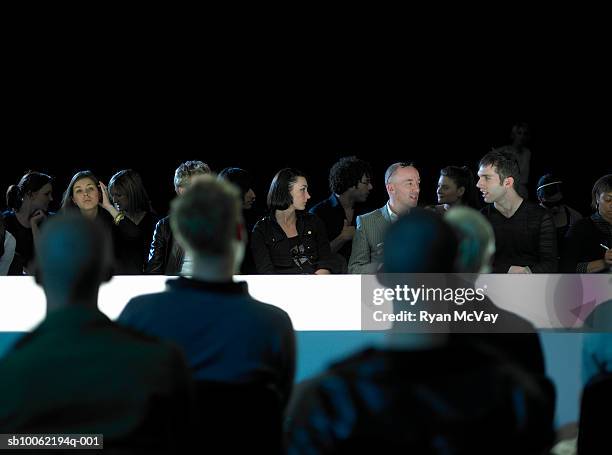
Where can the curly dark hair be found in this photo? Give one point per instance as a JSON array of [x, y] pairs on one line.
[[347, 173]]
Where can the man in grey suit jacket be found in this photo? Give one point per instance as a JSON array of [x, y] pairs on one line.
[[402, 181]]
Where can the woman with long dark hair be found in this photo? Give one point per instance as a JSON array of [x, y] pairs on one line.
[[90, 197], [128, 194]]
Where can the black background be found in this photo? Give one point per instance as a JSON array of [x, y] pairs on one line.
[[148, 106]]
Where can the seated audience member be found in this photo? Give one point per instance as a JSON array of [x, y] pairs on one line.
[[289, 239], [87, 195], [521, 137], [512, 335], [28, 203], [80, 373], [403, 184], [525, 236], [244, 181], [456, 187], [129, 196], [418, 392], [594, 427], [587, 247], [350, 182], [166, 256], [597, 342], [551, 198], [7, 249], [227, 336]]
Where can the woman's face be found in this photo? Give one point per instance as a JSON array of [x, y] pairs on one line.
[[120, 199], [448, 193], [85, 194], [40, 199], [604, 206], [299, 193]]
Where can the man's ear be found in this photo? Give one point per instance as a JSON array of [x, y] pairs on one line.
[[461, 191], [509, 182]]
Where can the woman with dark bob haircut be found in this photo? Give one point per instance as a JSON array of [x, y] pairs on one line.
[[289, 239], [588, 244], [87, 194], [28, 203]]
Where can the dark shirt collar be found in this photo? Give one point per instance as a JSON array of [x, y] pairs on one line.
[[334, 201], [240, 288], [601, 224]]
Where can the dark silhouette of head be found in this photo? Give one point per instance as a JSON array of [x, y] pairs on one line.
[[238, 177], [74, 257], [347, 173], [549, 190], [207, 219], [420, 242]]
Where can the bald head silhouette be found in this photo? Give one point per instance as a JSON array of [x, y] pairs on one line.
[[419, 242], [74, 256]]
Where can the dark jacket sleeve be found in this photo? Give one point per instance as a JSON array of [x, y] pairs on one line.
[[261, 254], [159, 249], [325, 260], [548, 246], [573, 245]]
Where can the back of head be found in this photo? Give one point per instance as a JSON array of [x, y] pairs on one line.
[[74, 256], [188, 169], [476, 239], [238, 177], [419, 242], [32, 181], [347, 173], [206, 218]]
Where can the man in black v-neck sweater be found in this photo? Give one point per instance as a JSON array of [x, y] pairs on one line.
[[525, 236]]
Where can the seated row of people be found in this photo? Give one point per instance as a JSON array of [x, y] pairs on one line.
[[335, 235], [133, 381]]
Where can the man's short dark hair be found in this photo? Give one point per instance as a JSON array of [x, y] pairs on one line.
[[279, 197], [505, 162], [347, 173]]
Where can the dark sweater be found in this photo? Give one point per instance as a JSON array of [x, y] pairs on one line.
[[527, 238], [583, 242]]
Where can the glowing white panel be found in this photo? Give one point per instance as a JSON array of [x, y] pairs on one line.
[[312, 302]]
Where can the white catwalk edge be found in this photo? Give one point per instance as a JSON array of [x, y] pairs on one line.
[[312, 302]]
